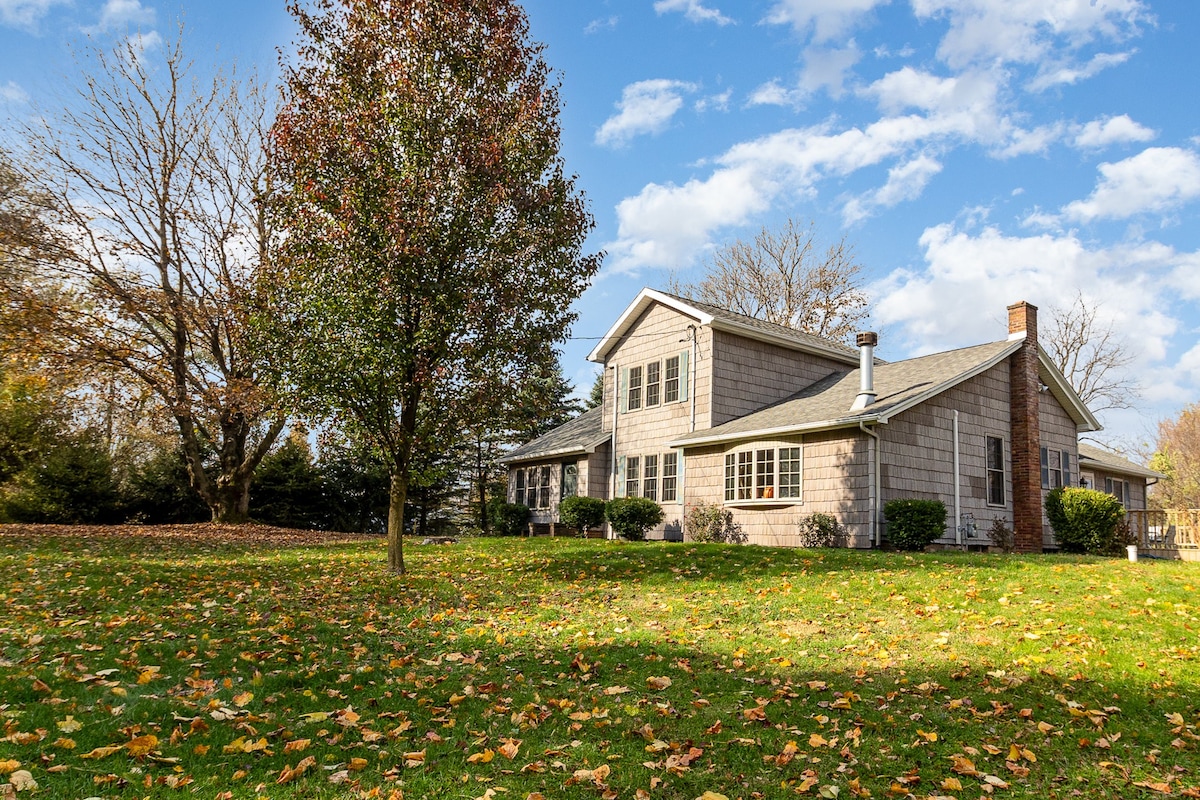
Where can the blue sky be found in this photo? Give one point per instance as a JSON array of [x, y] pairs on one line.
[[974, 152]]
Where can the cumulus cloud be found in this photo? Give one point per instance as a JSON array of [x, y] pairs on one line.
[[693, 11], [1156, 179], [774, 93], [909, 88], [905, 182], [26, 13], [120, 14], [1025, 31], [824, 69], [1100, 133], [828, 19], [645, 107], [1023, 142]]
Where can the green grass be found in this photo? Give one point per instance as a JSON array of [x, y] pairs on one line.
[[193, 665]]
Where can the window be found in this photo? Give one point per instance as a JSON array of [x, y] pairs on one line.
[[650, 477], [670, 477], [543, 487], [995, 471], [519, 494], [653, 372], [1066, 467], [789, 472], [764, 474], [633, 466], [1052, 471], [1118, 489], [635, 388], [671, 380], [570, 480]]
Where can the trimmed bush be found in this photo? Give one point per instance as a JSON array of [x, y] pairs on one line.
[[709, 522], [1086, 521], [631, 517], [581, 512], [912, 524], [822, 530], [508, 519]]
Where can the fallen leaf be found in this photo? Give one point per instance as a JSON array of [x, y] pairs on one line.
[[22, 780], [661, 682], [142, 745], [69, 724], [297, 745]]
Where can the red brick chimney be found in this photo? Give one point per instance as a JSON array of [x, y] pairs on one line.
[[1024, 386]]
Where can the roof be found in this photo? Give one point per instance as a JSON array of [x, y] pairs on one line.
[[899, 386], [722, 320], [1101, 459], [579, 436]]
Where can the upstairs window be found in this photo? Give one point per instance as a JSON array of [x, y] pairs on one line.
[[671, 380], [635, 388], [653, 383]]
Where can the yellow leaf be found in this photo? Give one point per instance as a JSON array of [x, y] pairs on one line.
[[64, 743], [952, 784], [119, 691], [239, 774], [929, 736], [102, 752], [22, 780], [297, 745], [9, 765], [414, 759], [1028, 755], [142, 745], [1045, 727], [288, 774], [147, 674], [661, 682], [357, 764], [69, 724], [241, 700], [817, 740], [509, 747], [712, 796], [481, 758], [1014, 753]]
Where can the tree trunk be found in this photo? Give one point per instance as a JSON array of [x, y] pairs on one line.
[[232, 501], [395, 528], [481, 477]]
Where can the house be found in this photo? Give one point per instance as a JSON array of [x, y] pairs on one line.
[[703, 405], [1123, 479]]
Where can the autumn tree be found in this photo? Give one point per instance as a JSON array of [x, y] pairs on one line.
[[783, 276], [433, 240], [1091, 355], [153, 177], [1177, 455]]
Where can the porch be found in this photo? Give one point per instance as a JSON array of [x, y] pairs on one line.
[[1166, 533]]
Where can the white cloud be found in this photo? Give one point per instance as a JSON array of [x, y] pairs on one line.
[[905, 182], [828, 19], [1100, 133], [602, 24], [906, 88], [826, 68], [120, 14], [693, 11], [1023, 142], [1058, 75], [644, 107], [773, 93], [1025, 31], [26, 13], [1156, 179], [12, 93], [714, 102]]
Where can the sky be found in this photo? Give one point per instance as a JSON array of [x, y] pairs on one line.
[[973, 152]]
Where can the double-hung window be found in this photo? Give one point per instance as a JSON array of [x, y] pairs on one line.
[[995, 471], [519, 494], [653, 383], [789, 472], [671, 380], [764, 474], [1056, 468], [633, 468], [1118, 489], [670, 477], [745, 481], [650, 477], [543, 487], [635, 389]]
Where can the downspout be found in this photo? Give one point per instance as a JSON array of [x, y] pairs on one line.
[[612, 479], [958, 531], [873, 482], [692, 334]]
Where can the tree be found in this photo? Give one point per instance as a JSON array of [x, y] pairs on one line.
[[153, 180], [596, 395], [433, 240], [1177, 455], [1091, 355], [782, 277]]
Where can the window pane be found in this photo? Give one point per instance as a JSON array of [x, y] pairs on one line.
[[995, 452], [635, 388], [652, 375], [671, 380], [789, 472], [764, 474], [670, 477]]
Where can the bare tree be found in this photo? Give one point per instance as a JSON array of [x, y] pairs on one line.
[[783, 277], [154, 177], [1092, 356]]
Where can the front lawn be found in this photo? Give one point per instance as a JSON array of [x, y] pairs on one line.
[[200, 661]]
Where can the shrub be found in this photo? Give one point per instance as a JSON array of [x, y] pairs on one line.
[[288, 490], [1086, 520], [631, 517], [581, 512], [912, 524], [71, 484], [508, 519], [822, 530], [1002, 536], [709, 522], [158, 491]]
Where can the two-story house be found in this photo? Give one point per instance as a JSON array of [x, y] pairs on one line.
[[705, 405]]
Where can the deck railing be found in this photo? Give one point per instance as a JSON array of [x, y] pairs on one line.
[[1177, 529]]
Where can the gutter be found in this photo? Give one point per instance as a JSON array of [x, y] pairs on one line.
[[873, 488]]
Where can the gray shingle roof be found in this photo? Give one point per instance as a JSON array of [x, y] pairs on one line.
[[1101, 459], [826, 403], [574, 437]]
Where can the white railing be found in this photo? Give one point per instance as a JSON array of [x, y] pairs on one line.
[[1171, 529]]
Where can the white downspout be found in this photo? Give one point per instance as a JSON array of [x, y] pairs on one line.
[[958, 532], [873, 482], [612, 481], [692, 388]]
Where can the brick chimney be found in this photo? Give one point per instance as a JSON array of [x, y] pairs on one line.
[[1024, 386]]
